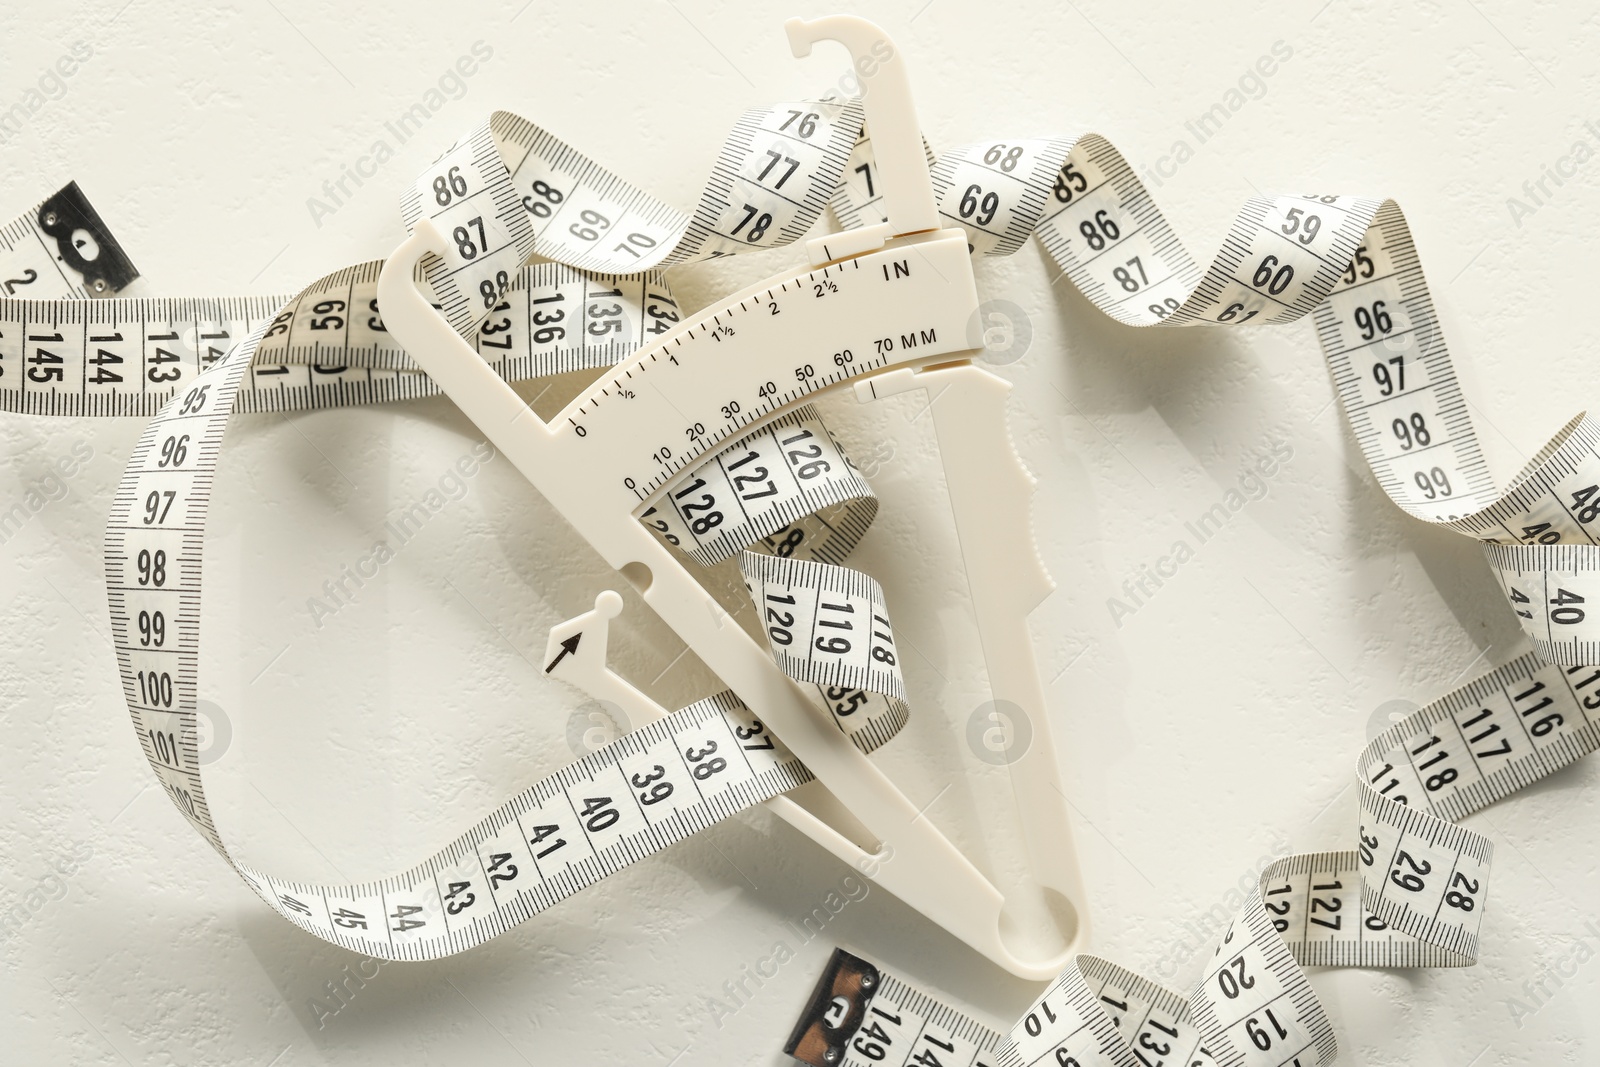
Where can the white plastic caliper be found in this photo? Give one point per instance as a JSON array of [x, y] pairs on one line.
[[649, 417]]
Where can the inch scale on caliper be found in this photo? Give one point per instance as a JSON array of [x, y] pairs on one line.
[[829, 307]]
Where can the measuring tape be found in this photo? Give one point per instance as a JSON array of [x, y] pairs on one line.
[[1412, 891], [788, 487]]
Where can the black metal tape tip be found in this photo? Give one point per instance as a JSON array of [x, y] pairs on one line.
[[84, 243], [835, 1011]]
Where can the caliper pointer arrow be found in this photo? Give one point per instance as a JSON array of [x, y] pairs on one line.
[[567, 646]]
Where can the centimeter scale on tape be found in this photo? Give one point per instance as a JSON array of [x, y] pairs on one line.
[[1411, 893], [655, 786]]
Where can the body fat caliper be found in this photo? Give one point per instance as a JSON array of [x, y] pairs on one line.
[[899, 296]]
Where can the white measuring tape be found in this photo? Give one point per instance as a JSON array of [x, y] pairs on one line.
[[615, 806], [1413, 891]]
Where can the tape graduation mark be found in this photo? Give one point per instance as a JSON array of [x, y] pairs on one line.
[[1412, 891]]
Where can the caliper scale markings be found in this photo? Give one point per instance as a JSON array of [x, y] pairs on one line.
[[702, 384]]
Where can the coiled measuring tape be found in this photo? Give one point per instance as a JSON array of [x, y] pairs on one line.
[[654, 786], [1414, 889], [1412, 893]]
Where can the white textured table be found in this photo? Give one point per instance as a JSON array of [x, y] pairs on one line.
[[1201, 732]]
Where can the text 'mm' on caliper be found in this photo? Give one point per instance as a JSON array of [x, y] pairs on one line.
[[600, 458]]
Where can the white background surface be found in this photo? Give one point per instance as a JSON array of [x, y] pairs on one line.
[[1218, 724]]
